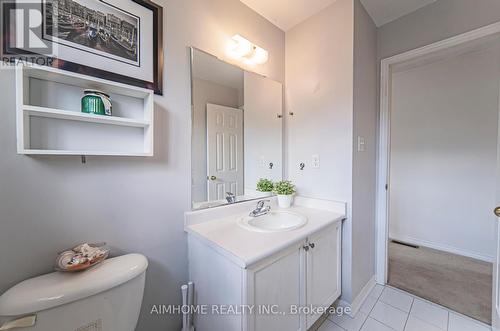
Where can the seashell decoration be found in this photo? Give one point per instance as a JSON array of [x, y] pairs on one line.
[[81, 257]]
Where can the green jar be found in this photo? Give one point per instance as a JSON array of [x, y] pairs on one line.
[[96, 102]]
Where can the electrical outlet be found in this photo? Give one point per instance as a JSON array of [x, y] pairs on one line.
[[361, 144], [315, 161]]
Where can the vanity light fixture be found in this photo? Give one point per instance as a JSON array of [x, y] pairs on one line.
[[242, 49]]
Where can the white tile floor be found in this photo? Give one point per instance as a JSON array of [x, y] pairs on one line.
[[389, 309]]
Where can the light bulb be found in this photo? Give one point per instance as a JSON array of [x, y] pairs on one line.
[[259, 55], [240, 47]]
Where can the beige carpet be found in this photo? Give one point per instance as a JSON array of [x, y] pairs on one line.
[[457, 282]]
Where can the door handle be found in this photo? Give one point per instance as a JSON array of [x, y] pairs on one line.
[[497, 211], [212, 178]]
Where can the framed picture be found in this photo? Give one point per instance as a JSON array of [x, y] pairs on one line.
[[119, 40]]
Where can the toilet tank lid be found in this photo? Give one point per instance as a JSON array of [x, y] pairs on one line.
[[59, 288]]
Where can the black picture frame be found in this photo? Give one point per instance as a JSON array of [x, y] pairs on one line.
[[158, 54]]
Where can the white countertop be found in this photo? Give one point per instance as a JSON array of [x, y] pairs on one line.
[[245, 247]]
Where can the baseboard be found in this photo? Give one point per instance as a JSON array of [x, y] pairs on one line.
[[360, 298], [442, 247]]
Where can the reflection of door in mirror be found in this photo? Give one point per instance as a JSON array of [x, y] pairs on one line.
[[237, 131], [224, 151], [218, 83]]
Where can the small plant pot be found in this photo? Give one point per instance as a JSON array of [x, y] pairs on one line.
[[285, 201], [265, 194]]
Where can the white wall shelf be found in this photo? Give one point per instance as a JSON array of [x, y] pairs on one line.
[[76, 116], [79, 152], [50, 122]]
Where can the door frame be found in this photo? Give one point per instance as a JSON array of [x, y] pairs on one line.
[[436, 50]]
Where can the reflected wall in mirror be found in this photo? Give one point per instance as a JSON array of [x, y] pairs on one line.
[[237, 132]]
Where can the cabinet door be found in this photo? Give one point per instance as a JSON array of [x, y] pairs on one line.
[[275, 285], [323, 260]]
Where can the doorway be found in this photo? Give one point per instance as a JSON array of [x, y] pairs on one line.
[[437, 169]]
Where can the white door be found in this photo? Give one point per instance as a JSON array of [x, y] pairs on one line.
[[323, 260], [224, 151]]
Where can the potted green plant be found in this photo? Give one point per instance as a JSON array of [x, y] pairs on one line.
[[284, 190], [265, 186]]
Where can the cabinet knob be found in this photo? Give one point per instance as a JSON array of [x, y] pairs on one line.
[[306, 248], [312, 245]]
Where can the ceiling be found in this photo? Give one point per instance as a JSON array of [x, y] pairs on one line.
[[385, 11], [287, 13]]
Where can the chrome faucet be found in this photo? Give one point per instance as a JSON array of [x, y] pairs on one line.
[[230, 197], [260, 209]]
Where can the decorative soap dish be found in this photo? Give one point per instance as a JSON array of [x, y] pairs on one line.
[[81, 257]]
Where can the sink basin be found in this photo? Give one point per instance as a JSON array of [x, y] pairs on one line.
[[274, 221]]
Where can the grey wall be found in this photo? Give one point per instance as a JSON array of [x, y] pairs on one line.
[[440, 20], [319, 91], [364, 163], [135, 204], [331, 89]]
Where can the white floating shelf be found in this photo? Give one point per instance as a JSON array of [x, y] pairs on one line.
[[79, 153], [84, 117], [47, 126]]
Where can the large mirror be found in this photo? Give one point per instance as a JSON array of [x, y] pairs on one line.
[[237, 123]]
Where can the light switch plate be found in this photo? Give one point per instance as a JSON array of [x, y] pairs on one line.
[[361, 144]]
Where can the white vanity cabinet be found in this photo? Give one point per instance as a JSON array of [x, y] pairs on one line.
[[303, 275], [323, 270]]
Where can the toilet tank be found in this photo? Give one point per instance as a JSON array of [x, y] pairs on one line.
[[106, 297]]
